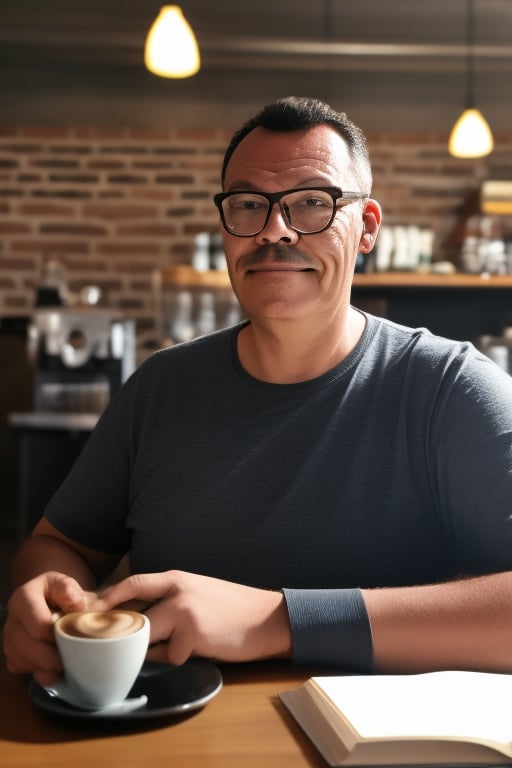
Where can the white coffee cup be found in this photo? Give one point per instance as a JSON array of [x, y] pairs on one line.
[[102, 654]]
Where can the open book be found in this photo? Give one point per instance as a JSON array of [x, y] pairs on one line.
[[437, 718]]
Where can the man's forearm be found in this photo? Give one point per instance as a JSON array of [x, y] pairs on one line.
[[41, 553], [461, 624]]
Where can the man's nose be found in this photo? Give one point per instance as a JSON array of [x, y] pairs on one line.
[[277, 228]]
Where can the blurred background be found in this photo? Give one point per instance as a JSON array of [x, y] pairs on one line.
[[392, 64], [109, 240]]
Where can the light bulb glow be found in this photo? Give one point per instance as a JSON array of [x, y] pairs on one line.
[[171, 47], [471, 136]]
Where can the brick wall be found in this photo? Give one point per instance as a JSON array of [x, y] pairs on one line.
[[111, 206], [417, 182], [115, 205]]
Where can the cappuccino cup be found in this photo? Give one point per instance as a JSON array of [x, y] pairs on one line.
[[102, 653]]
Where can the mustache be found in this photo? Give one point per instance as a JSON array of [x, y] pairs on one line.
[[277, 253]]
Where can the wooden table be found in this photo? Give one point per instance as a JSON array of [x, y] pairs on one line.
[[244, 726]]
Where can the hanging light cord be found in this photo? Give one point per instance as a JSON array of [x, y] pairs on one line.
[[328, 22], [471, 135], [470, 41]]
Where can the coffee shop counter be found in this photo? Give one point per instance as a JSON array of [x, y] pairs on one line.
[[244, 725], [54, 420], [49, 443]]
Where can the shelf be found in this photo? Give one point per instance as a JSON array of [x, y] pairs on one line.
[[430, 280], [459, 306], [50, 420], [186, 277], [183, 276]]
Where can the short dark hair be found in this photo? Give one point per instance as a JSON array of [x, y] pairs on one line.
[[295, 113]]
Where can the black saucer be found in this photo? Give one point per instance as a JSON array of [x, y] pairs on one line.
[[170, 691]]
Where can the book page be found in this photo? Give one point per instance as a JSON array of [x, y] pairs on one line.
[[471, 706]]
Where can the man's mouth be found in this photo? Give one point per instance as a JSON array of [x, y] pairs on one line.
[[276, 258], [280, 267]]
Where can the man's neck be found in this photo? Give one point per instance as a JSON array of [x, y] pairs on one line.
[[290, 351]]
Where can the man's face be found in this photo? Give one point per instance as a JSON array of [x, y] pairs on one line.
[[279, 274]]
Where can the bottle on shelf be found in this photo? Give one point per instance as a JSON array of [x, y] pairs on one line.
[[206, 318], [233, 311], [181, 326], [201, 255], [52, 290], [217, 255]]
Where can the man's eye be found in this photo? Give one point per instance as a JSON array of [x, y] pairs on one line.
[[246, 204], [316, 202]]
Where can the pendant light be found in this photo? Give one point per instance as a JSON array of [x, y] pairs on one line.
[[171, 47], [471, 135]]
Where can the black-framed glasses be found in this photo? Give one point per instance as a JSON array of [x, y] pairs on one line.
[[307, 211]]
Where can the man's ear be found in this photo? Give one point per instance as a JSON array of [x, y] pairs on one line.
[[372, 217]]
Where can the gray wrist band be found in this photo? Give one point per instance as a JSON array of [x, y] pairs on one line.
[[330, 627]]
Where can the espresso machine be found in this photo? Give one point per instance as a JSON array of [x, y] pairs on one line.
[[80, 356]]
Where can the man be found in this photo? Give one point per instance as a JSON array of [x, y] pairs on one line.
[[315, 483]]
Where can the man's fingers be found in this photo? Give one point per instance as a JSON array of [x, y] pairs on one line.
[[61, 593], [65, 594], [22, 649], [144, 587], [170, 652], [158, 652], [155, 591], [45, 678]]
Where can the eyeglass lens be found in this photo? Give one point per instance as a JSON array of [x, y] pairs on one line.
[[307, 211]]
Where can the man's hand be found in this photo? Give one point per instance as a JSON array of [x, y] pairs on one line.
[[196, 615], [28, 632]]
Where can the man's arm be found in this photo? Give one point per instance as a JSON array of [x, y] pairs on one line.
[[46, 549], [465, 624]]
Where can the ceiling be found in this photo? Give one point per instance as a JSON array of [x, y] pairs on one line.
[[392, 64]]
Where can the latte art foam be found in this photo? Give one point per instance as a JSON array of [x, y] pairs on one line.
[[101, 624]]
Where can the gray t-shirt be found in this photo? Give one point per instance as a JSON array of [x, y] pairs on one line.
[[394, 468]]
